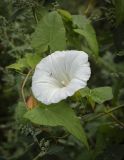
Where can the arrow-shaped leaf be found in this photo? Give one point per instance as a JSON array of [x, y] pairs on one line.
[[58, 115]]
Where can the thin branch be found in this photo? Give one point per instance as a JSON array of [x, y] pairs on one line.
[[116, 120], [103, 113], [26, 150], [90, 4], [115, 108], [38, 156], [41, 154]]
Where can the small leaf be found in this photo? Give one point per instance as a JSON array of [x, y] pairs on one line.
[[85, 92], [32, 60], [86, 30], [29, 61], [50, 32], [65, 14], [58, 115], [98, 95], [19, 65], [101, 94]]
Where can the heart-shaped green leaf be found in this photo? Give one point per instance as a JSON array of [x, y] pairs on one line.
[[58, 115], [50, 32]]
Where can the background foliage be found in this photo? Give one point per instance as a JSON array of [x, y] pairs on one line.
[[32, 29]]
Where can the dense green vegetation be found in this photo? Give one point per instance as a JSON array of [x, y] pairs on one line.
[[90, 124]]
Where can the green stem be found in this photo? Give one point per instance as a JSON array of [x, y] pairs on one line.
[[38, 156], [89, 6], [115, 108], [116, 120], [104, 113], [35, 15]]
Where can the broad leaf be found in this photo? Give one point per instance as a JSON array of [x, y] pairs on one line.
[[50, 32], [19, 113], [32, 60], [58, 115], [86, 30], [80, 21]]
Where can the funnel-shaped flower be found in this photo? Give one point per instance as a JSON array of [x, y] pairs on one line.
[[60, 75]]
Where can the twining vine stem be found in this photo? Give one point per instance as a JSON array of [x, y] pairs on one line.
[[23, 85], [26, 78]]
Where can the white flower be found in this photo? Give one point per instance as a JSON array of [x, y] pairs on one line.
[[60, 75]]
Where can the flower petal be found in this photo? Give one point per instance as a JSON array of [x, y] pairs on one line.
[[60, 75]]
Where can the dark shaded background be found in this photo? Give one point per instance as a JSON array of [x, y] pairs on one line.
[[19, 141]]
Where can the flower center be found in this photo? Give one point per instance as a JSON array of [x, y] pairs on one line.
[[62, 79], [63, 83]]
